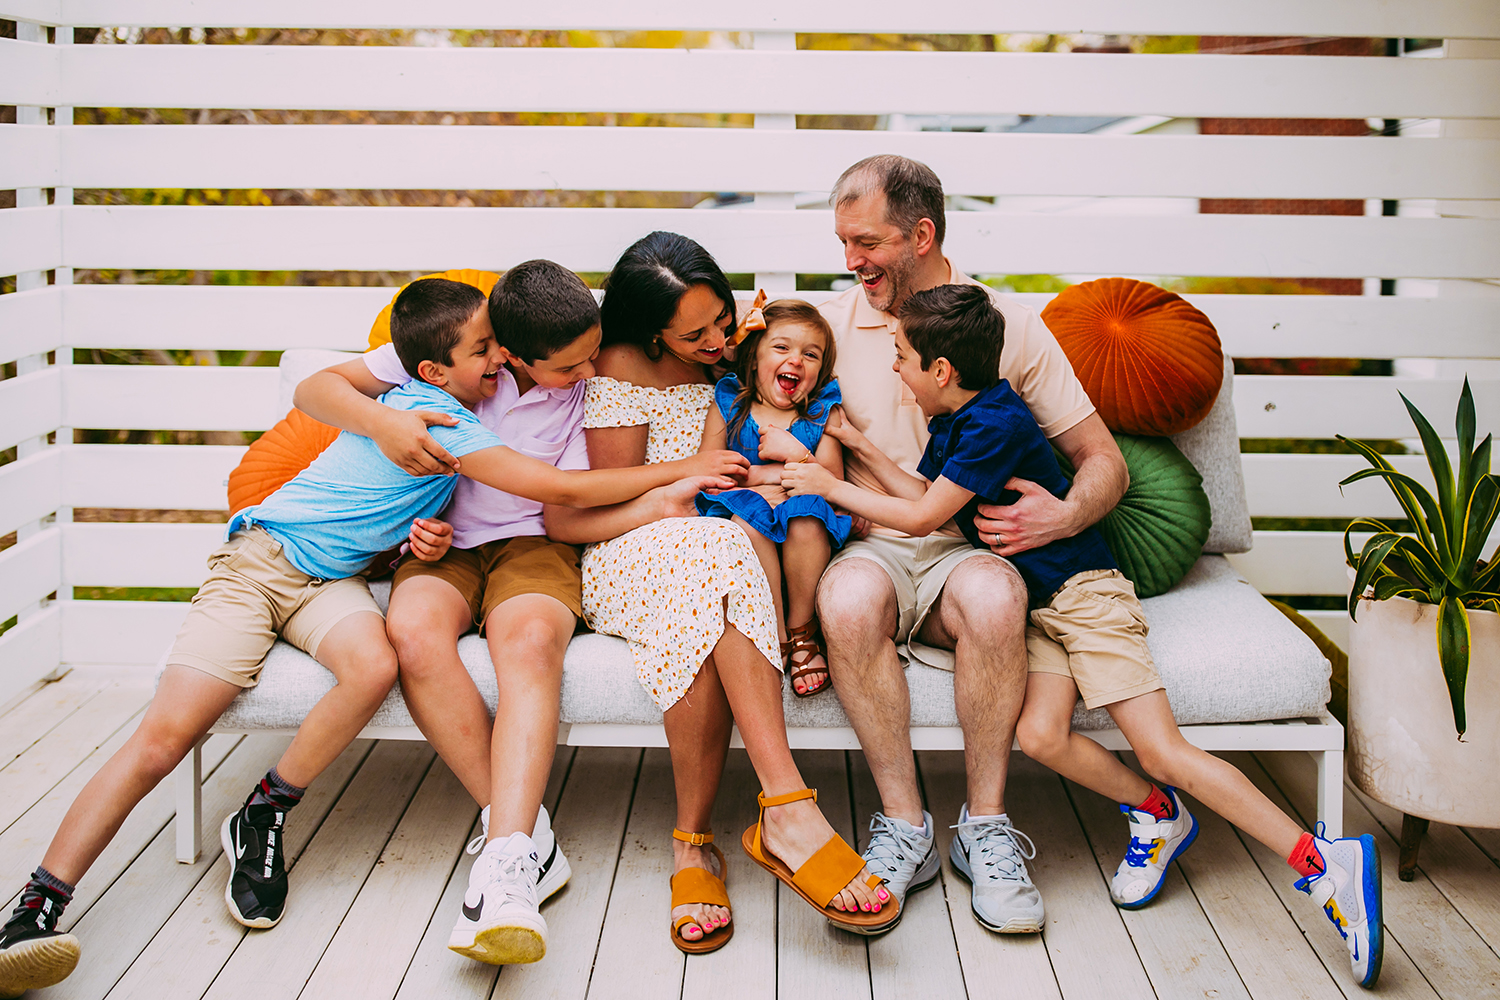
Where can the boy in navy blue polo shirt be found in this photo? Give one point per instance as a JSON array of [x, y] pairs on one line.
[[1087, 633]]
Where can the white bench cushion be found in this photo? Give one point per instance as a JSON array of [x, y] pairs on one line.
[[1224, 654]]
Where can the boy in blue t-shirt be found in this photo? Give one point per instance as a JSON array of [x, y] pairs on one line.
[[1087, 633], [287, 568]]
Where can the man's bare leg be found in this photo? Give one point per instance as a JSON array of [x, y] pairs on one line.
[[857, 606], [426, 618], [981, 616], [698, 728]]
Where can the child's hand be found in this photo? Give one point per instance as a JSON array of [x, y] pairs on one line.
[[778, 445], [720, 464], [678, 498], [430, 538], [847, 435], [405, 441], [807, 477]]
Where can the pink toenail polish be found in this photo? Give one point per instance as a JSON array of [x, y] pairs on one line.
[[884, 895]]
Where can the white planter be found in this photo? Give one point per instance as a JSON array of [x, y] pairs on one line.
[[1403, 749]]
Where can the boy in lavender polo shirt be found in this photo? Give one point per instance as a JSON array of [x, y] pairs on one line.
[[501, 573]]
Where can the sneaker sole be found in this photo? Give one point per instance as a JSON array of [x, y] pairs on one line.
[[516, 943], [1186, 843], [33, 965], [1374, 915], [1015, 925], [918, 882], [227, 843]]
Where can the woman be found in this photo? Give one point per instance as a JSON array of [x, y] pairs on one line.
[[692, 599]]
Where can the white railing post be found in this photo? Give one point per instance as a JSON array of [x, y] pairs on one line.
[[62, 117], [776, 281]]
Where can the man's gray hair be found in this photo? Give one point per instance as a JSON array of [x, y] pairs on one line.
[[912, 191]]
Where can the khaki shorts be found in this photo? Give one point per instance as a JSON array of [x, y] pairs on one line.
[[252, 595], [1094, 631], [493, 573], [918, 568]]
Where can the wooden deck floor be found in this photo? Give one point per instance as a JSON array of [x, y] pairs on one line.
[[380, 868]]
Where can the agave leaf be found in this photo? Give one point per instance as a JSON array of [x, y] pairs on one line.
[[1362, 524], [1423, 565], [1387, 587], [1485, 578], [1370, 558], [1453, 653], [1430, 525], [1437, 455], [1403, 495], [1484, 506], [1464, 422], [1477, 467]]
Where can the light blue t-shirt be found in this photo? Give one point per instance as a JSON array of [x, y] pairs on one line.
[[352, 503]]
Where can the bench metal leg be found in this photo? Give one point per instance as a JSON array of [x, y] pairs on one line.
[[1330, 791], [188, 782]]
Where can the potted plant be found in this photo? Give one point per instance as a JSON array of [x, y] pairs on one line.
[[1424, 646]]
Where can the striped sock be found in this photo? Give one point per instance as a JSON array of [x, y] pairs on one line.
[[274, 790]]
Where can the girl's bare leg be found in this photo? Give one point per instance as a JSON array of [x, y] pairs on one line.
[[804, 557], [698, 728], [770, 561]]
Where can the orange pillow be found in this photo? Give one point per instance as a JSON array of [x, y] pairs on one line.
[[1151, 363], [276, 457], [380, 333]]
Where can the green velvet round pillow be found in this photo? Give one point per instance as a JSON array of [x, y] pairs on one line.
[[1157, 530]]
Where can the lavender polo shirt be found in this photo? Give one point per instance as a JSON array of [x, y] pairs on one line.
[[546, 424]]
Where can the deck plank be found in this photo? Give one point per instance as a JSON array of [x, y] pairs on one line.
[[328, 877], [376, 940], [993, 965], [1487, 841], [745, 968], [920, 957], [1176, 943], [436, 971], [1453, 959], [39, 713], [192, 946], [636, 959], [27, 779], [589, 822], [813, 959]]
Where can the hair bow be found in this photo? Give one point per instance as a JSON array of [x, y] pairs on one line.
[[755, 319]]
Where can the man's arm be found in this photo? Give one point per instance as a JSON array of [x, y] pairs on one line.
[[511, 472], [1038, 517], [917, 517], [344, 396]]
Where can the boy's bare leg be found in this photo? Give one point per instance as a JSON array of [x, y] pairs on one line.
[[804, 557], [186, 704], [360, 658], [795, 831], [426, 618], [698, 728], [1046, 735], [528, 636]]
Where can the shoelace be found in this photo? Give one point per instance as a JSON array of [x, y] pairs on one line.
[[1138, 854], [477, 844], [515, 873], [997, 845], [889, 844]]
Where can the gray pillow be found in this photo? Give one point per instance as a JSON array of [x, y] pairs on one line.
[[1213, 446]]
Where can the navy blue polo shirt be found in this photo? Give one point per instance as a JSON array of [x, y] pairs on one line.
[[980, 447]]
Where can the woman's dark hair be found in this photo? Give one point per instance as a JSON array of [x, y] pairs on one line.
[[780, 311], [641, 294]]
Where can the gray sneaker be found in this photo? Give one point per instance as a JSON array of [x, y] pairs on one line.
[[990, 855], [900, 854]]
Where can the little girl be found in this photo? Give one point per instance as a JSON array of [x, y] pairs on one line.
[[773, 411]]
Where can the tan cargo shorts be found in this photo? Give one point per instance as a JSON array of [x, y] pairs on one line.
[[1094, 631]]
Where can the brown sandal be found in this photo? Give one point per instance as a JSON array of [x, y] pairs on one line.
[[803, 641], [698, 885]]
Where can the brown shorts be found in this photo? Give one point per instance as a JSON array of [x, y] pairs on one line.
[[1094, 631], [253, 594], [493, 573]]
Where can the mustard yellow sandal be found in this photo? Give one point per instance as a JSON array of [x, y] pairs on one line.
[[698, 885], [832, 867]]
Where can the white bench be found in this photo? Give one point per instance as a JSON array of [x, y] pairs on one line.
[[1239, 675]]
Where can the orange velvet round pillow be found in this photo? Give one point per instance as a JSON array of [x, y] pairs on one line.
[[276, 457], [1151, 363], [380, 333]]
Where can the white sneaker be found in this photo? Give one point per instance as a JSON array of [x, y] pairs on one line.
[[500, 924], [555, 870], [1349, 893], [1154, 845], [902, 855], [990, 855]]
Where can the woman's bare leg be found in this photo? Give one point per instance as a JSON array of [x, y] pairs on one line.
[[698, 728]]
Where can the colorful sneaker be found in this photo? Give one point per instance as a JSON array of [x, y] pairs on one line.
[[32, 953], [500, 923], [988, 853], [1154, 845], [555, 870], [1349, 893], [899, 853], [252, 839]]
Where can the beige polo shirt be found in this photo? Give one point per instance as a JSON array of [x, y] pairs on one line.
[[880, 405]]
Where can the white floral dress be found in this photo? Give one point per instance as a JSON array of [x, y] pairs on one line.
[[662, 586]]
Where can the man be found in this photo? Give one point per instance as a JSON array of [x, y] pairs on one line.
[[947, 604]]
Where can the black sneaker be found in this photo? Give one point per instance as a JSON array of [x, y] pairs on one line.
[[32, 954], [252, 838]]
